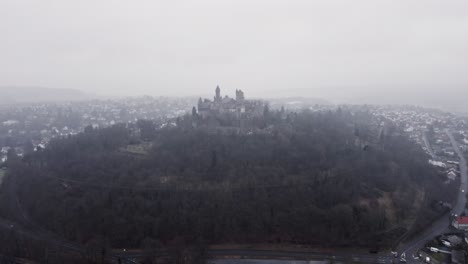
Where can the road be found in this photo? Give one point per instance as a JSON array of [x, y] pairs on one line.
[[300, 255], [256, 261], [461, 201], [441, 225], [218, 256], [428, 146]]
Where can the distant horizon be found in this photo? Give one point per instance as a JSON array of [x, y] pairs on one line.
[[455, 108], [360, 52]]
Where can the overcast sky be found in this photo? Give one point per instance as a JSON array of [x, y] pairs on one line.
[[350, 49]]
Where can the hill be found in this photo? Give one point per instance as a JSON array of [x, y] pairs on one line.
[[22, 94], [324, 178]]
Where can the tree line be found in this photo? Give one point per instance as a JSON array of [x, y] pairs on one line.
[[320, 178]]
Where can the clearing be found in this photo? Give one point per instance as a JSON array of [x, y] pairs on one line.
[[137, 149]]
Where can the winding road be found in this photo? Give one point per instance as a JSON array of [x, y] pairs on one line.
[[441, 225], [461, 201]]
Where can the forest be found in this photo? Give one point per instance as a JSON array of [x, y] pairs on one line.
[[331, 178]]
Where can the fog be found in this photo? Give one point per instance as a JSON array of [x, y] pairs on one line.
[[344, 51]]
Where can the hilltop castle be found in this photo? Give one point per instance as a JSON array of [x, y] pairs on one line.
[[240, 107]]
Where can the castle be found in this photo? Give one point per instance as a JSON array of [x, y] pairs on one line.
[[240, 107]]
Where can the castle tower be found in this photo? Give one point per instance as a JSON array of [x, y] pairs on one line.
[[239, 95], [218, 97]]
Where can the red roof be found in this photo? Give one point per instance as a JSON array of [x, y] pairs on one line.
[[462, 220]]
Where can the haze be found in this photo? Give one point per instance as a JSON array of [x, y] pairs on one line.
[[346, 51]]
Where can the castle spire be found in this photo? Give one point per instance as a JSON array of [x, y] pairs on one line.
[[218, 94]]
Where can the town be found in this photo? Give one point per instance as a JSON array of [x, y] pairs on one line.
[[444, 137], [24, 128]]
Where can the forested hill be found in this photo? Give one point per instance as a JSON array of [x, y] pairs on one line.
[[326, 178]]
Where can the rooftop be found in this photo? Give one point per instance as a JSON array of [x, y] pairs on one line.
[[462, 220]]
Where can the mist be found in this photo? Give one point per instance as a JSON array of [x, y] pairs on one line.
[[344, 51], [233, 131]]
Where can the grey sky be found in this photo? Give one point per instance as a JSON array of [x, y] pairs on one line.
[[350, 49]]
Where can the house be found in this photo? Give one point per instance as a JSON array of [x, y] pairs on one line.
[[5, 150], [461, 223], [464, 148], [454, 170], [449, 153], [454, 240], [438, 163], [10, 122], [451, 175]]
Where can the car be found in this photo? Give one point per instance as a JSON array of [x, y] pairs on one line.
[[403, 258], [446, 243]]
